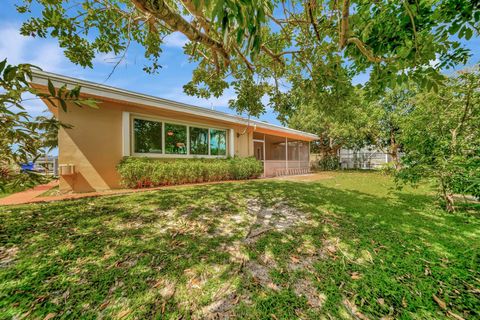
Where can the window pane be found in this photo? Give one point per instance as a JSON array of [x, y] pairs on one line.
[[218, 142], [147, 136], [175, 139], [198, 141]]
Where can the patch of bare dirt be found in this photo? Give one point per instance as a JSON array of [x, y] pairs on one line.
[[7, 256], [305, 288], [256, 221], [260, 274], [278, 218]]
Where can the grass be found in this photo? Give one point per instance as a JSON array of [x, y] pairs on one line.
[[55, 191], [347, 246]]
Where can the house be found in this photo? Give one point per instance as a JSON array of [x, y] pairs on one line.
[[134, 124]]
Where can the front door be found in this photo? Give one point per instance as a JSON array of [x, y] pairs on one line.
[[258, 150]]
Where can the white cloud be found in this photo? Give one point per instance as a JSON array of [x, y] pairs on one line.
[[12, 44], [40, 52], [176, 40], [49, 57]]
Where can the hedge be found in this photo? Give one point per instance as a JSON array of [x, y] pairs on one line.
[[148, 172]]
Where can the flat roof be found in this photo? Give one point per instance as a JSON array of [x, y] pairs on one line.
[[88, 87]]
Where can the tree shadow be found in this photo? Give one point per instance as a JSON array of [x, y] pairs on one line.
[[115, 256]]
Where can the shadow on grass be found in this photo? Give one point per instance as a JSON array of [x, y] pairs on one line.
[[116, 256]]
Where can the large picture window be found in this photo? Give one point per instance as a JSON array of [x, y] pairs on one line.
[[198, 141], [160, 138], [148, 136], [218, 142], [175, 139]]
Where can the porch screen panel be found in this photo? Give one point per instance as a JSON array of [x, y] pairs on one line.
[[275, 155], [147, 136], [274, 148], [175, 139], [292, 150], [303, 151]]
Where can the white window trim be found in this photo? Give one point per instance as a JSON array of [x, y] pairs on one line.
[[129, 139], [126, 134]]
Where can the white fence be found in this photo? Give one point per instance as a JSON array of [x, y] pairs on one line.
[[365, 158]]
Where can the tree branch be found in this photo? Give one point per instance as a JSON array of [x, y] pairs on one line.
[[366, 52], [160, 10], [344, 24], [310, 5]]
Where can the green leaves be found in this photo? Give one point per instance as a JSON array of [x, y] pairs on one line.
[[441, 137], [51, 88], [23, 138], [249, 97]]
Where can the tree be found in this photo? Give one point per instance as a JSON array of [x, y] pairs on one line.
[[22, 137], [347, 126], [388, 114], [441, 138], [236, 42]]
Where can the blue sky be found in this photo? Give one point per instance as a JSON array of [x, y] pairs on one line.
[[168, 83]]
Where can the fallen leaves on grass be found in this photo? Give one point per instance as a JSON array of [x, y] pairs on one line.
[[454, 315], [355, 275], [440, 302], [49, 316], [295, 259], [306, 289], [352, 308], [122, 314], [7, 255], [427, 271]]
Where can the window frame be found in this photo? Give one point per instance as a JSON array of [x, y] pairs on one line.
[[164, 120]]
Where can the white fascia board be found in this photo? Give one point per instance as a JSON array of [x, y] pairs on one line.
[[108, 92]]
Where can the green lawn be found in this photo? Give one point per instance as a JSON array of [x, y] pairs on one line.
[[348, 246]]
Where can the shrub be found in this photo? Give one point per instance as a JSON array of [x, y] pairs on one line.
[[328, 162], [148, 172]]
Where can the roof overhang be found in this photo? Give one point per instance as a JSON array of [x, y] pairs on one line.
[[40, 78]]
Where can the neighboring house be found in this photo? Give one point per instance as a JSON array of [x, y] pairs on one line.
[[134, 124], [47, 165]]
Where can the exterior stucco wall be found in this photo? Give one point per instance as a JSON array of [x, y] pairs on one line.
[[243, 143], [94, 145]]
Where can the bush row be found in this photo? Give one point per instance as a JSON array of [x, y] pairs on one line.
[[148, 172]]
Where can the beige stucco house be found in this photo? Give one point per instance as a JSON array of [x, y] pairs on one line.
[[134, 124]]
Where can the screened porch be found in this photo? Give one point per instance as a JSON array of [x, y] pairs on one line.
[[281, 155]]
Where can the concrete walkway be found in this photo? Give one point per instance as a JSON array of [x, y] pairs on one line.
[[29, 195]]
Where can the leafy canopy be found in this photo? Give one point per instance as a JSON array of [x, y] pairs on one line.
[[22, 138], [258, 45], [441, 137]]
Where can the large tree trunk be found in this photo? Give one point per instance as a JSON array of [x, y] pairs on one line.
[[393, 150]]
